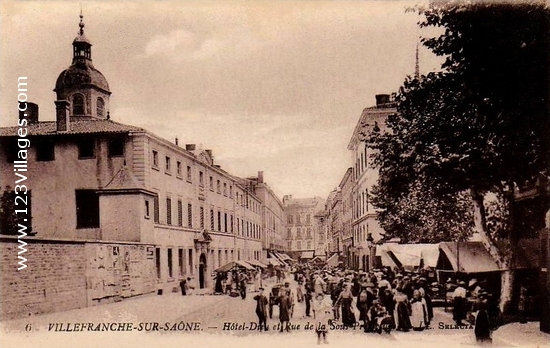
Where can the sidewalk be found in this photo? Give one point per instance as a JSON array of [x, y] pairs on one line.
[[516, 334], [150, 308], [523, 335]]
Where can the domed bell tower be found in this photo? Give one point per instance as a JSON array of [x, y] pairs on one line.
[[81, 89]]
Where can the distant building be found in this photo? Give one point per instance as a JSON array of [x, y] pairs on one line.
[[301, 225]]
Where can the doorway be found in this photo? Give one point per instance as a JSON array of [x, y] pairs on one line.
[[202, 271]]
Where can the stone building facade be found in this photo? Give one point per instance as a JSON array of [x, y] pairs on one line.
[[364, 176]]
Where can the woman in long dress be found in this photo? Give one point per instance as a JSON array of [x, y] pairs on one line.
[[419, 313], [402, 319], [346, 298]]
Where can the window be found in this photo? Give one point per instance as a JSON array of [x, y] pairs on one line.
[[86, 148], [155, 158], [218, 186], [147, 209], [181, 262], [219, 221], [211, 183], [157, 261], [178, 168], [289, 233], [87, 209], [191, 261], [299, 245], [78, 104], [116, 148], [308, 234], [309, 244], [298, 232], [231, 224], [225, 222], [212, 222], [156, 210], [168, 211], [230, 191], [168, 165], [290, 220], [10, 149], [225, 189], [201, 212], [201, 178], [289, 245], [190, 215], [308, 220], [100, 107], [189, 174], [298, 219], [180, 213], [45, 150], [170, 266]]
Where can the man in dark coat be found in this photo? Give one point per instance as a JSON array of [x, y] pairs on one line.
[[261, 309], [307, 298]]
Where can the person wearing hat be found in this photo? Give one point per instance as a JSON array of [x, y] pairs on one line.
[[459, 303], [285, 306], [364, 302], [261, 309]]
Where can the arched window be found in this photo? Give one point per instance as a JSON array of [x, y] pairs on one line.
[[78, 104], [100, 107]]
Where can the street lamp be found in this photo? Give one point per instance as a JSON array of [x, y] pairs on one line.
[[370, 245]]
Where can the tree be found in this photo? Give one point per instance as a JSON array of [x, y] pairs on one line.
[[480, 125]]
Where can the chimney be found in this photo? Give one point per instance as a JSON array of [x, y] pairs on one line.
[[62, 115], [382, 99], [190, 147], [177, 141], [209, 152], [30, 113], [260, 176]]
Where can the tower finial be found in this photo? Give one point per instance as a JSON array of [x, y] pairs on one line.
[[417, 65], [81, 24]]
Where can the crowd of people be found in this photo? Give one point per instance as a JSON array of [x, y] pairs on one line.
[[380, 300], [383, 299]]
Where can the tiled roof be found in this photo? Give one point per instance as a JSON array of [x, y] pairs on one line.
[[76, 127], [124, 179]]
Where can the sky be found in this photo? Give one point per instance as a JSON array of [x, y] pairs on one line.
[[272, 86]]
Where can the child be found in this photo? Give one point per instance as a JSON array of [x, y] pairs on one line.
[[321, 312]]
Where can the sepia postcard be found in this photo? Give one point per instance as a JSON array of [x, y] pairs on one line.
[[232, 173]]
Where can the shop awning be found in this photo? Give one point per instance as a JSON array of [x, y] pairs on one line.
[[306, 255], [333, 260], [257, 263], [278, 257], [286, 257], [428, 257], [230, 265], [466, 257], [388, 259], [273, 262]]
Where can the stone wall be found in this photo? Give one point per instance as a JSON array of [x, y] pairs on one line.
[[53, 281], [63, 275]]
